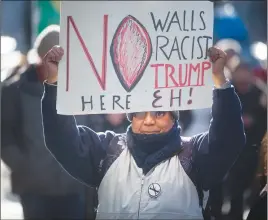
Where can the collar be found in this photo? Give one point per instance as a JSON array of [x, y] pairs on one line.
[[149, 150]]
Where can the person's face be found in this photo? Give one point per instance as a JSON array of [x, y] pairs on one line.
[[115, 119], [152, 122], [242, 79]]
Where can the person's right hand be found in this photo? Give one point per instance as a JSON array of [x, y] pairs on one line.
[[51, 61]]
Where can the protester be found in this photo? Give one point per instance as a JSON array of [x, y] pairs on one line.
[[45, 189], [241, 187], [259, 210], [254, 114], [150, 171]]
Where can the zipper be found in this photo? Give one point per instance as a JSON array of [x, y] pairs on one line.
[[142, 182]]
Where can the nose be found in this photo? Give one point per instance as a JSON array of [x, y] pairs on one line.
[[149, 119]]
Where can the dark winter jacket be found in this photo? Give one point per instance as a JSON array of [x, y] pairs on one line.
[[33, 168], [179, 175]]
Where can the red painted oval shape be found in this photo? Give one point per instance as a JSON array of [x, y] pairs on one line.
[[131, 51]]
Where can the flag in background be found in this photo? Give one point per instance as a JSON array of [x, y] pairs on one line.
[[47, 13]]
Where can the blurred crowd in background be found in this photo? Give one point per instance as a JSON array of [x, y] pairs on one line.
[[240, 29]]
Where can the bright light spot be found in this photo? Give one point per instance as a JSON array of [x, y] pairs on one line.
[[226, 207], [229, 10], [234, 62], [8, 44], [229, 44], [32, 57], [245, 214], [259, 50], [8, 62]]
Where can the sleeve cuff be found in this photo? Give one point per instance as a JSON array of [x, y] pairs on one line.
[[226, 85], [223, 94], [50, 90]]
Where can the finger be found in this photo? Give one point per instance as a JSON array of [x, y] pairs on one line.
[[212, 51], [53, 56], [214, 54], [217, 50], [59, 49], [49, 57], [222, 54], [56, 51], [59, 53]]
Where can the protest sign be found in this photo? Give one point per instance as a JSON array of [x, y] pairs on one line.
[[131, 56]]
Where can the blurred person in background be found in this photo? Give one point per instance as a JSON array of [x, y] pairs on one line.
[[254, 113], [258, 211], [13, 61], [114, 122], [260, 80], [241, 187], [45, 189], [186, 120]]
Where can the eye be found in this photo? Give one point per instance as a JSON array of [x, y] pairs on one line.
[[139, 115], [160, 114]]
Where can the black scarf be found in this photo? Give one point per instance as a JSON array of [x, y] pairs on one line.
[[150, 149]]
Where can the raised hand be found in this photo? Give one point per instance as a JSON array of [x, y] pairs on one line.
[[51, 61], [218, 59]]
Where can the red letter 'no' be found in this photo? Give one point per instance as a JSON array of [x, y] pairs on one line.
[[101, 79]]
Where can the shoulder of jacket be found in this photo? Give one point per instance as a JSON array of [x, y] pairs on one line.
[[190, 144], [186, 147], [186, 141]]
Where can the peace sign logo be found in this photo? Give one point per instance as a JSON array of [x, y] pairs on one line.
[[154, 190]]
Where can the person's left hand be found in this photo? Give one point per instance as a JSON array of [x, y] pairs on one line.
[[218, 59]]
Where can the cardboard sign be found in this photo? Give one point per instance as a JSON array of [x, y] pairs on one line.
[[131, 56]]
